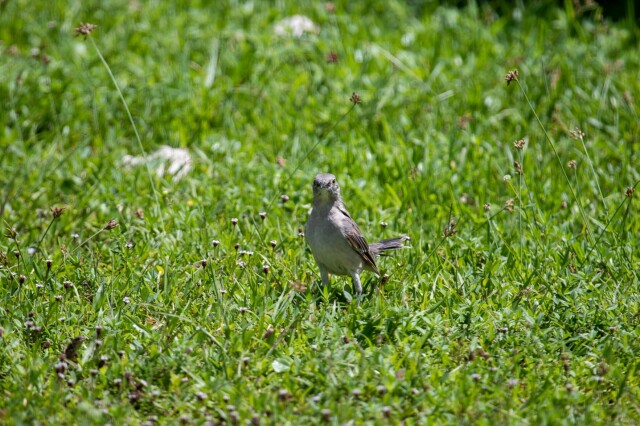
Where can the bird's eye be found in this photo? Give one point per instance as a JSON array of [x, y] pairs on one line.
[[333, 181]]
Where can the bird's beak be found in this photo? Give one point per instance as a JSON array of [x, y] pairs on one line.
[[319, 190], [322, 192]]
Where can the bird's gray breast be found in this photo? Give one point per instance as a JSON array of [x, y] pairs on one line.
[[328, 244]]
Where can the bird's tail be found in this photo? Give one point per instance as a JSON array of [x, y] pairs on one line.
[[389, 244]]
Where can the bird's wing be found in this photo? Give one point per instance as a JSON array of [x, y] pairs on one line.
[[357, 241]]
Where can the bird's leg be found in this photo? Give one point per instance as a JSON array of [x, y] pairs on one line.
[[324, 274], [357, 286]]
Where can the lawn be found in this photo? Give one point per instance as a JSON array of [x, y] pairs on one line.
[[140, 289]]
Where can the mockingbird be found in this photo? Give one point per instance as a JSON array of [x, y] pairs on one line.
[[336, 242]]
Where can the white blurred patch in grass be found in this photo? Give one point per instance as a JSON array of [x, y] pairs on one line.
[[174, 161], [295, 25]]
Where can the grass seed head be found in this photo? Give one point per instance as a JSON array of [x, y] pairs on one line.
[[326, 415], [509, 205], [511, 76], [111, 225], [629, 192], [268, 333], [103, 361], [56, 211], [450, 229], [11, 233], [518, 166], [519, 144], [576, 134], [467, 199], [386, 411], [284, 395], [85, 29]]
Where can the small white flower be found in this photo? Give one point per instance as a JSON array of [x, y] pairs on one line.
[[506, 178]]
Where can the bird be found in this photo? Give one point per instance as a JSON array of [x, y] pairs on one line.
[[336, 242]]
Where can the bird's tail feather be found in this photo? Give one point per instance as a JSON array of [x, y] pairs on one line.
[[389, 244]]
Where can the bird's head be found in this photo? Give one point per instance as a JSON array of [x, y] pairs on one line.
[[325, 187]]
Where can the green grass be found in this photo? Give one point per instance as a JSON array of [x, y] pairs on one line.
[[528, 314]]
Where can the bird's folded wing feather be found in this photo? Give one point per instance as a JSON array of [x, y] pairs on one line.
[[357, 241]]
